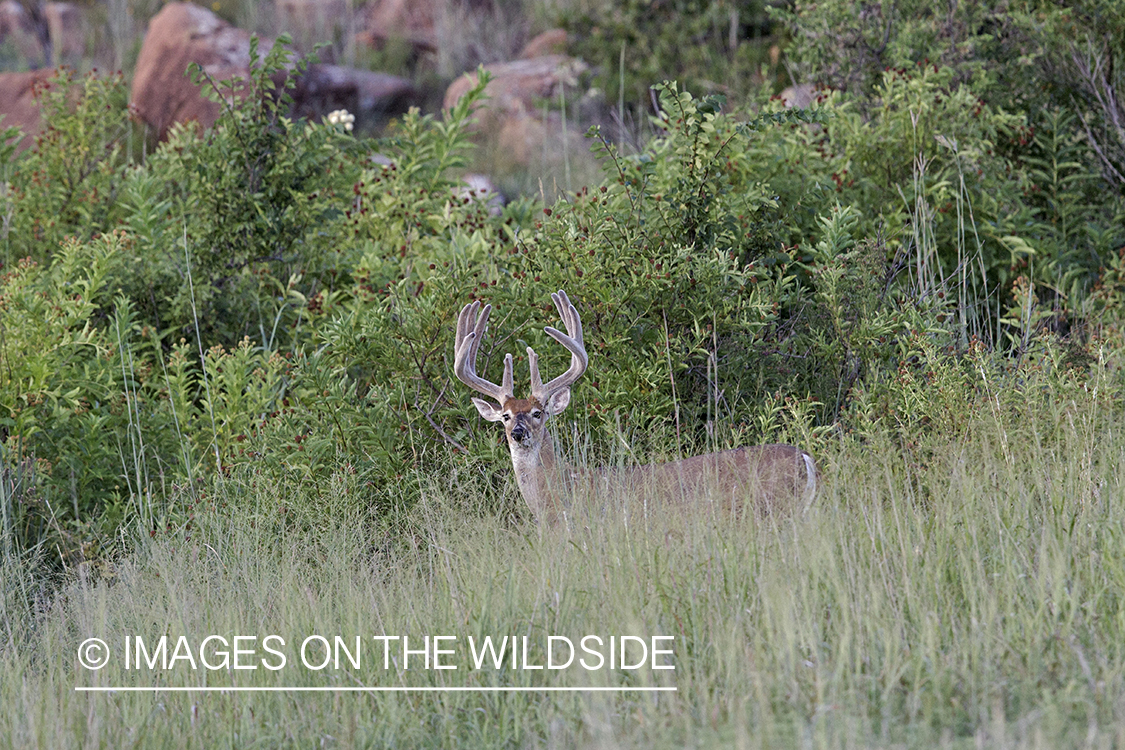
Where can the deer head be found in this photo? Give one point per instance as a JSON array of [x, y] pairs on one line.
[[524, 419]]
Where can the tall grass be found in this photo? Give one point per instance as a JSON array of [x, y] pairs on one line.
[[973, 597]]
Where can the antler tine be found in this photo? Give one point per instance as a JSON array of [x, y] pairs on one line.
[[578, 358], [470, 332], [569, 315], [469, 319], [533, 365]]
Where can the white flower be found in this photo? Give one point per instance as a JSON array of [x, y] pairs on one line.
[[342, 117]]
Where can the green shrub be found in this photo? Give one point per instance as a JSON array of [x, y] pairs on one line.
[[968, 140], [68, 407], [964, 196], [848, 45], [256, 199], [710, 47], [670, 262], [68, 184], [1068, 56]]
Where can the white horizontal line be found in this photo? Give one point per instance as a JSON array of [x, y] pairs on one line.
[[398, 689]]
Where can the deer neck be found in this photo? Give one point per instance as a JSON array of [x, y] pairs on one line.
[[540, 475]]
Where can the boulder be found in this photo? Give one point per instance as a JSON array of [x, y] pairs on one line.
[[520, 137], [531, 140], [510, 119], [517, 85], [18, 104], [180, 34]]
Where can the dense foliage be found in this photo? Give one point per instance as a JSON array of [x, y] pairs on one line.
[[711, 47], [274, 298], [226, 384]]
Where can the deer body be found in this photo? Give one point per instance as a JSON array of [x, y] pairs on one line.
[[775, 476], [771, 474]]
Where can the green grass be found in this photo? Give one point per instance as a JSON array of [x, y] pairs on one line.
[[969, 597]]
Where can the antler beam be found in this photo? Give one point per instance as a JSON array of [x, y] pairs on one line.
[[471, 325], [574, 344]]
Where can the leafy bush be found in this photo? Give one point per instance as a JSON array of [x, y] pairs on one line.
[[710, 47], [279, 300], [69, 183], [255, 199], [965, 197], [67, 386], [847, 45], [670, 262]]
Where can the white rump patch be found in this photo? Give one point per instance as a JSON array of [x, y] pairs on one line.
[[810, 467]]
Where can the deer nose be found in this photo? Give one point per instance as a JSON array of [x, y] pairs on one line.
[[519, 432]]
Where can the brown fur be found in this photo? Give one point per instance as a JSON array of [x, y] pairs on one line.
[[771, 478]]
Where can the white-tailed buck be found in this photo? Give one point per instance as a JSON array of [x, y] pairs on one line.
[[772, 476]]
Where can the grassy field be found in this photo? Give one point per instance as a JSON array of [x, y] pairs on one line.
[[224, 360], [969, 598]]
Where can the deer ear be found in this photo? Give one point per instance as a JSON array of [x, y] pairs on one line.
[[558, 401], [491, 412]]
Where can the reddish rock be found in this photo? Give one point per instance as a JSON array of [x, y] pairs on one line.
[[526, 139], [510, 118], [180, 34], [18, 105], [520, 137], [551, 42]]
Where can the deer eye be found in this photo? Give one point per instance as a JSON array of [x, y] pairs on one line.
[[506, 417], [536, 414]]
